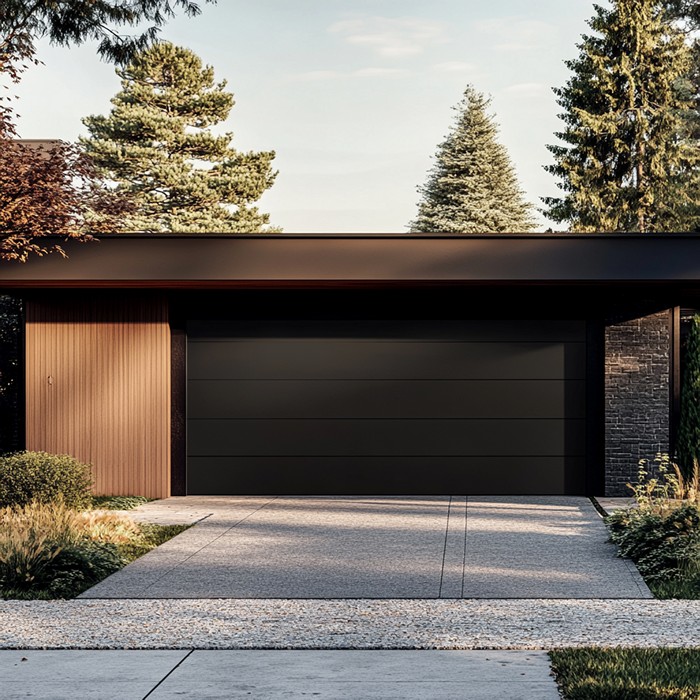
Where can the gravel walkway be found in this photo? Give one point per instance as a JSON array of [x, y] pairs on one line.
[[346, 624]]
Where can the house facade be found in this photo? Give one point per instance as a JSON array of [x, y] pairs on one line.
[[529, 364]]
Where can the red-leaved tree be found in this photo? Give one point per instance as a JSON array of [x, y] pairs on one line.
[[51, 188]]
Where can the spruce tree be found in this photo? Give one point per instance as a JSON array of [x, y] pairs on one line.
[[472, 187], [688, 443], [157, 146], [626, 164]]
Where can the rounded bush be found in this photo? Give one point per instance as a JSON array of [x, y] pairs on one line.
[[44, 478]]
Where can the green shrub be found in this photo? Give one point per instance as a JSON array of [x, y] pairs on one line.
[[688, 441], [663, 546], [78, 567], [38, 476]]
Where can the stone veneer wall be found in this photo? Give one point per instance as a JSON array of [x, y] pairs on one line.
[[637, 401]]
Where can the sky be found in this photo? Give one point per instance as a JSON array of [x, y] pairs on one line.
[[353, 95]]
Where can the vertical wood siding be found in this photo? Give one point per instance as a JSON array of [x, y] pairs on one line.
[[98, 388]]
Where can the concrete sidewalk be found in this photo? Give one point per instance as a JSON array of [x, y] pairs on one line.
[[267, 675], [380, 547]]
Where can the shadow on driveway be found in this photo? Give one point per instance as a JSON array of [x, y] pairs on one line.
[[380, 547]]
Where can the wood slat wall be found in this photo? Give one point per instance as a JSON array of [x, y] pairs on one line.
[[98, 388]]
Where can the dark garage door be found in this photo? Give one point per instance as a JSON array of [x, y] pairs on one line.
[[386, 407]]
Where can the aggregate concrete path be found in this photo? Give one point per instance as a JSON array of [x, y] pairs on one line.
[[347, 624], [379, 547], [224, 675]]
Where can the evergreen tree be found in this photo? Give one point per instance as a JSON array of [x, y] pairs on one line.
[[72, 22], [627, 164], [157, 146], [472, 187], [688, 444], [686, 15]]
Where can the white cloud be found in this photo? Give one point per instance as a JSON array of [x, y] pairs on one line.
[[392, 37], [516, 34], [455, 67]]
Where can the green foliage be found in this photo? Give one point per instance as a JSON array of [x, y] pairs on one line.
[[662, 535], [685, 586], [662, 546], [151, 536], [78, 567], [688, 444], [157, 146], [43, 477], [118, 502], [627, 674], [686, 14], [48, 548], [627, 163], [51, 551], [472, 188], [71, 22], [661, 485]]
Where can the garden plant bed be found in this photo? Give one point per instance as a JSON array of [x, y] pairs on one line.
[[49, 551], [57, 539], [661, 532]]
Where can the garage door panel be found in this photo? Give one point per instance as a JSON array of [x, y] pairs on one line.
[[226, 399], [351, 329], [386, 475], [382, 407], [328, 359], [386, 437]]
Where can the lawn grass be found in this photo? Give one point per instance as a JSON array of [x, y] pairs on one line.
[[627, 674], [119, 502], [152, 536]]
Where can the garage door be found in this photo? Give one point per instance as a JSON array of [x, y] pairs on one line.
[[386, 407]]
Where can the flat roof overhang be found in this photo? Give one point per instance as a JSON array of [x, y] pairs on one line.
[[171, 262]]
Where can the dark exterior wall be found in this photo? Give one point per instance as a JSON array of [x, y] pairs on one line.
[[11, 380], [637, 397]]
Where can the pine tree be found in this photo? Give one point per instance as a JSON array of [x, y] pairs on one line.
[[627, 164], [688, 447], [472, 187], [157, 146]]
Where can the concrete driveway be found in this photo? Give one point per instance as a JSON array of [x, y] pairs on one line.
[[379, 547]]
